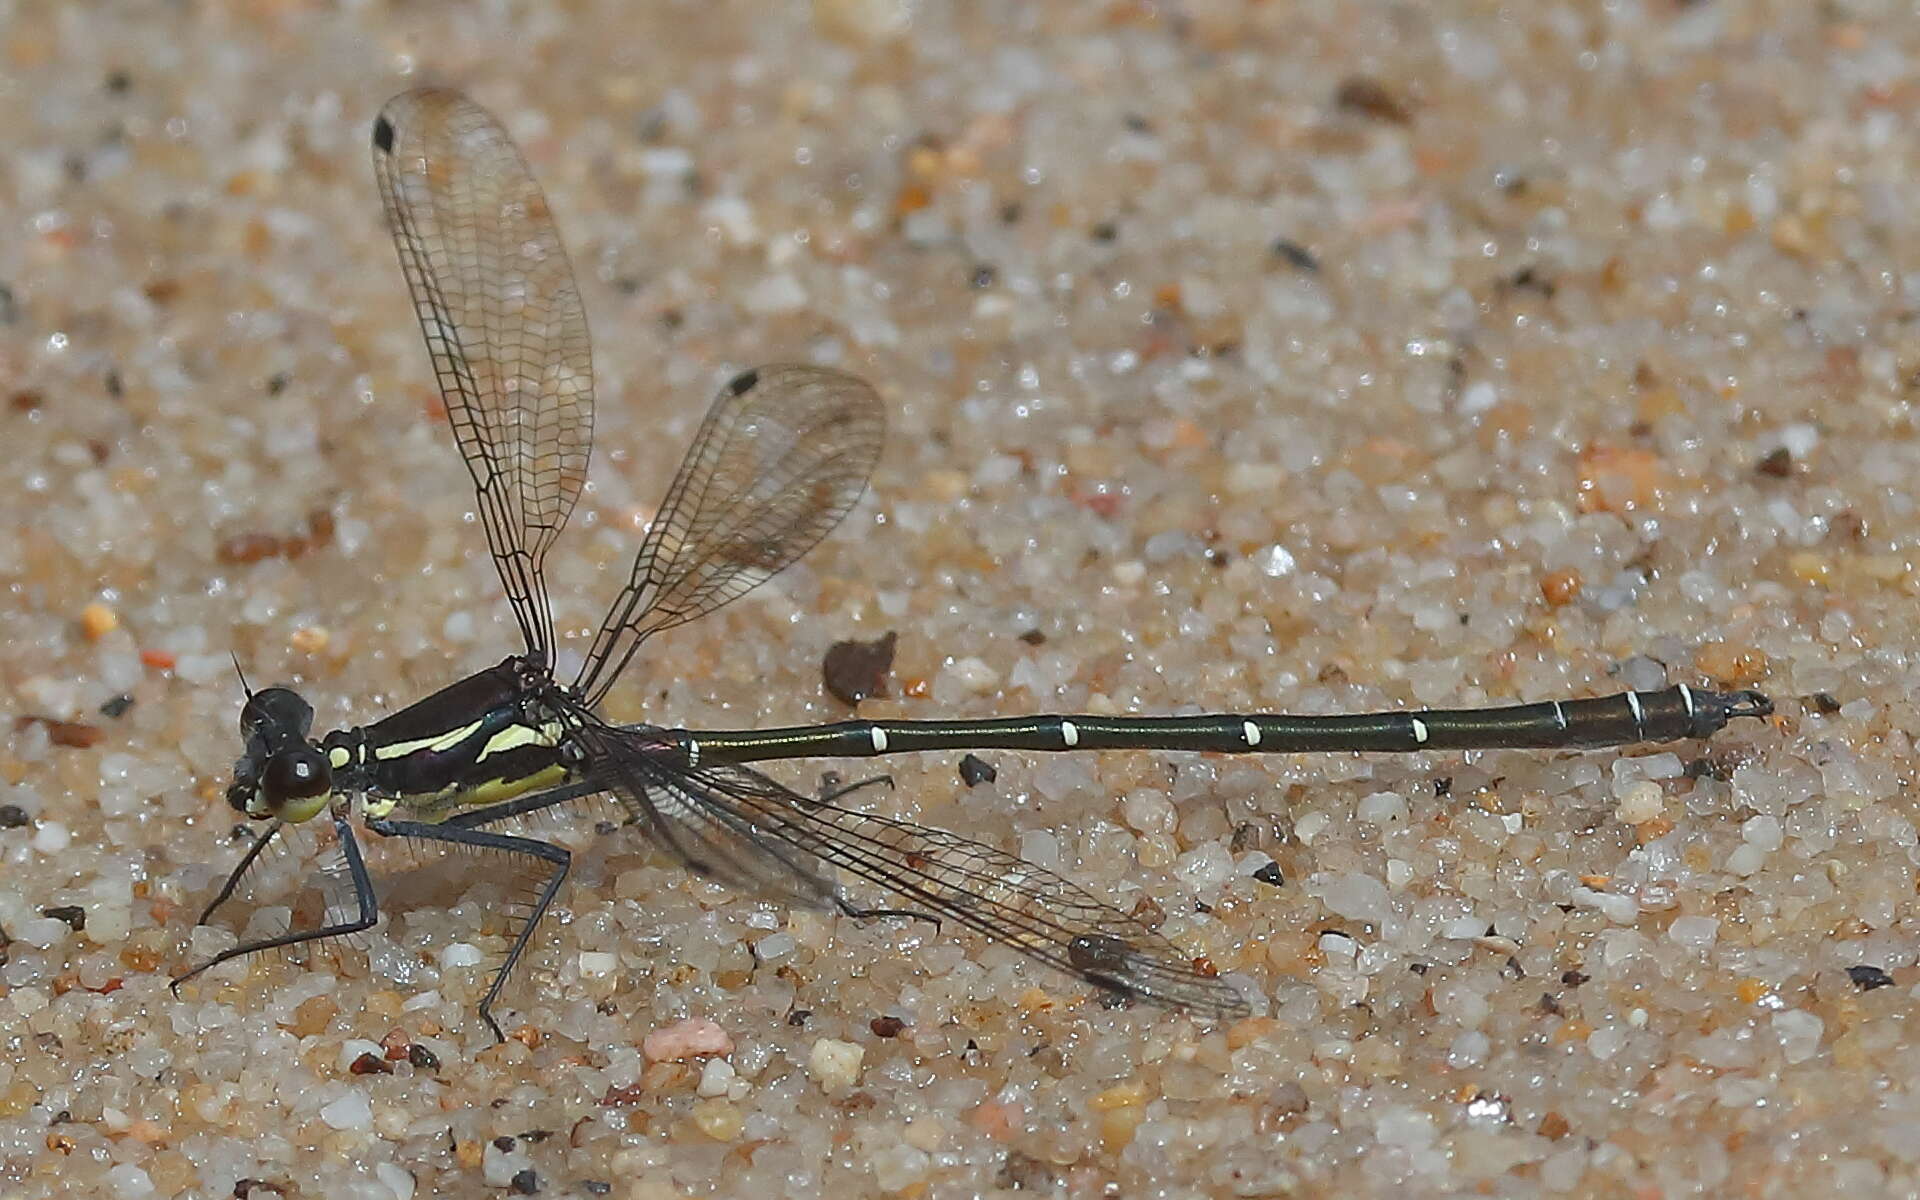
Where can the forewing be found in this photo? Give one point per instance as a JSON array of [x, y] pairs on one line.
[[784, 452], [737, 825], [503, 322]]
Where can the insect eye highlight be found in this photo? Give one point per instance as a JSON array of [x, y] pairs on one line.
[[296, 783]]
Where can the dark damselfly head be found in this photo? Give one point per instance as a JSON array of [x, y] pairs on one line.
[[281, 774]]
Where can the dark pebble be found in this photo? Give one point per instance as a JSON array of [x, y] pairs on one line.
[[72, 914], [852, 671], [1370, 98], [976, 771], [1868, 978], [1296, 256]]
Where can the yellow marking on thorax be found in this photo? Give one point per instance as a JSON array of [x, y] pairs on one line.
[[439, 741], [491, 791], [495, 790]]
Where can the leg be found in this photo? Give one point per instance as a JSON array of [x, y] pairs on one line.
[[832, 789], [239, 872], [362, 891], [848, 909], [556, 857]]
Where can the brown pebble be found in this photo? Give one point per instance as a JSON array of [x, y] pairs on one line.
[[1370, 98], [886, 1027], [72, 915], [1778, 464], [621, 1097], [371, 1064], [76, 735], [244, 548], [1561, 588], [852, 671]]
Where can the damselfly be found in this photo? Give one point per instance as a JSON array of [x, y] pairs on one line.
[[782, 456]]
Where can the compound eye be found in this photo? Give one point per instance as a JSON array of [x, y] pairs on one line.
[[276, 709], [294, 780]]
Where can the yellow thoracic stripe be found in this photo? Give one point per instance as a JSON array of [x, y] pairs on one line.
[[439, 741], [495, 790], [512, 736], [489, 791], [516, 735]]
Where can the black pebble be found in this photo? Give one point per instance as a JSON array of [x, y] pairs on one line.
[[1296, 256], [1868, 978], [12, 816], [72, 914], [975, 771]]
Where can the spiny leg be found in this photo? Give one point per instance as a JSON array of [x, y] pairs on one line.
[[239, 873], [368, 915], [833, 789], [555, 856]]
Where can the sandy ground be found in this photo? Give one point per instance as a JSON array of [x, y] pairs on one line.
[[1260, 356]]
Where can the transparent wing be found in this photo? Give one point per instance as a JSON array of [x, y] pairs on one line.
[[784, 452], [503, 321], [745, 829]]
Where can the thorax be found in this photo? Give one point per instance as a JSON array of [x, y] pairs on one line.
[[484, 739]]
